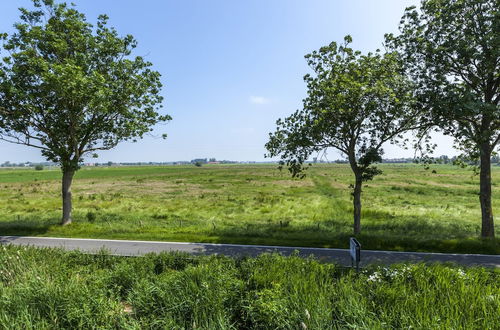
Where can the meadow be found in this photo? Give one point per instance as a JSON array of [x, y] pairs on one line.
[[56, 289], [406, 208]]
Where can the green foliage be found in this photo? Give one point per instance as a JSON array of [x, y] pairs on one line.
[[451, 49], [50, 288], [354, 104], [38, 167], [452, 52], [91, 216], [70, 89]]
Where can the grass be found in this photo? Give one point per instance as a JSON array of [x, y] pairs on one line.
[[56, 289], [406, 208]]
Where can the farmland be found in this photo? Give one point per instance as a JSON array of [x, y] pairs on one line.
[[406, 208]]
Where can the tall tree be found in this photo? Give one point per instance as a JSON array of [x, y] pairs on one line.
[[355, 103], [452, 50], [70, 89]]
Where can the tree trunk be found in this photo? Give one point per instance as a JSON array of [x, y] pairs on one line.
[[487, 226], [357, 205], [67, 179]]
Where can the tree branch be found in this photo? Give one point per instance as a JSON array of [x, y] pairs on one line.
[[21, 142]]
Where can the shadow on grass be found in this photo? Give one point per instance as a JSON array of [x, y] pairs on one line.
[[25, 227], [416, 226], [410, 234], [343, 258], [414, 235]]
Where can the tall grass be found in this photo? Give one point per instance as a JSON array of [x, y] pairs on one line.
[[52, 289], [406, 208]]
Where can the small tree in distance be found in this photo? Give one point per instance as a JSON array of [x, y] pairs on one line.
[[355, 103], [70, 89]]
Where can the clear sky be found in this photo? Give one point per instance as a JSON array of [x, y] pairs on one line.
[[229, 68]]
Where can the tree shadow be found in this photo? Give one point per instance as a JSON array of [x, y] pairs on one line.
[[410, 234], [342, 257], [25, 227], [337, 256], [411, 225]]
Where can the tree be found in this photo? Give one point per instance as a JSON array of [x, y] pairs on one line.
[[355, 103], [451, 49], [70, 89]]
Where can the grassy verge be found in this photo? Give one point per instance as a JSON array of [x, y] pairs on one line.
[[406, 208], [50, 289]]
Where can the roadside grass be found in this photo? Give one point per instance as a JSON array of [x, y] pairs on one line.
[[56, 289], [407, 208]]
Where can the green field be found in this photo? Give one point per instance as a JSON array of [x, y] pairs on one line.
[[54, 289], [406, 208]]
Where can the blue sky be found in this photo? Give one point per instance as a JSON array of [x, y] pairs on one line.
[[229, 68]]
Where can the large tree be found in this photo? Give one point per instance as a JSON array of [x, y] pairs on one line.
[[70, 89], [355, 103], [452, 48]]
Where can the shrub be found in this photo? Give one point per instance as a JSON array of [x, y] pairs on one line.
[[91, 216]]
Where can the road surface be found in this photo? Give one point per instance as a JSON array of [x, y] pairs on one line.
[[339, 256]]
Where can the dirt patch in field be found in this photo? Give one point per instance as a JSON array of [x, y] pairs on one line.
[[93, 187], [391, 184], [31, 188], [140, 188], [339, 185], [285, 183], [442, 184], [417, 183]]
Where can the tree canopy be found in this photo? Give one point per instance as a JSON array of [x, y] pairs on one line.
[[451, 51], [355, 103], [71, 89]]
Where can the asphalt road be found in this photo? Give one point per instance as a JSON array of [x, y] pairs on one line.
[[340, 256]]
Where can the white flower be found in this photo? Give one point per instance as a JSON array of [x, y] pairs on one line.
[[461, 273], [375, 277]]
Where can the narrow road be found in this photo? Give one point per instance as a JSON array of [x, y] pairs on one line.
[[340, 256]]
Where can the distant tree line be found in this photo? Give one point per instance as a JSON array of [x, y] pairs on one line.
[[27, 164], [213, 160]]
